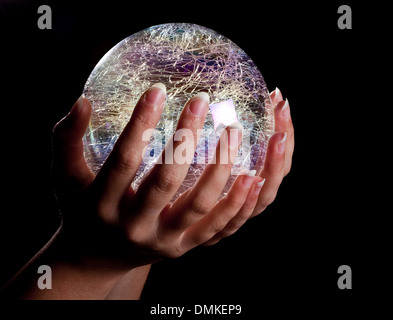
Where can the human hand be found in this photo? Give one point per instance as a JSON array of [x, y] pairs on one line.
[[277, 165], [108, 222]]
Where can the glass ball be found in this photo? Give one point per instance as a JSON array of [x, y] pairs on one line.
[[187, 59]]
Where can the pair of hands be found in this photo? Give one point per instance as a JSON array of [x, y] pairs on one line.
[[112, 226]]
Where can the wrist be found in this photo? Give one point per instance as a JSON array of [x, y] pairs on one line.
[[84, 275], [77, 274]]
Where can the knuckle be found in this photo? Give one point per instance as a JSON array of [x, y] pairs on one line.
[[167, 182], [287, 170], [218, 225], [235, 201], [102, 212], [107, 214], [246, 210], [194, 240], [211, 242], [137, 237], [174, 253], [200, 207], [231, 228], [234, 225], [133, 236], [153, 245], [145, 119], [291, 131], [171, 250], [124, 161], [268, 200], [226, 233]]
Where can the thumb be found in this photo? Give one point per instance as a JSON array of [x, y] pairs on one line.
[[69, 167]]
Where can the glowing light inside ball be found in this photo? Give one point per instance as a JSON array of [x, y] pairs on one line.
[[223, 113], [187, 59]]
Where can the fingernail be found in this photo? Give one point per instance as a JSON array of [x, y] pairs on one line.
[[154, 96], [252, 173], [199, 104], [235, 135], [243, 172], [286, 114], [281, 144], [160, 86], [78, 105], [258, 186], [203, 96], [249, 178], [276, 92]]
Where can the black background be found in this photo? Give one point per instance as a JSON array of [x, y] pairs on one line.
[[321, 216]]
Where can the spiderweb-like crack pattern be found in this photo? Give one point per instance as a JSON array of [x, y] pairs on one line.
[[188, 59]]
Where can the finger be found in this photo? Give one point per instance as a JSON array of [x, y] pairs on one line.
[[226, 209], [243, 215], [273, 171], [283, 123], [69, 166], [162, 182], [119, 169], [206, 191], [276, 96]]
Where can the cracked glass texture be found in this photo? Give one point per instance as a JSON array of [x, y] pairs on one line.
[[187, 59]]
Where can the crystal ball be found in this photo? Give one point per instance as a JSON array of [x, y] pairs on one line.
[[187, 59]]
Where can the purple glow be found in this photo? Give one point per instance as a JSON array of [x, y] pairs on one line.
[[223, 112]]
